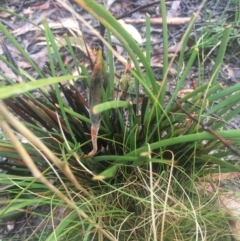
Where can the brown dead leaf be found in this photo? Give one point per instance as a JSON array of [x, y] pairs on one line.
[[184, 92], [77, 42], [230, 202], [132, 31], [44, 6], [173, 11], [28, 12], [24, 64], [109, 3], [6, 14], [229, 70], [7, 71], [231, 73], [40, 58], [210, 183], [207, 187], [214, 177], [176, 48], [24, 29], [68, 23], [30, 27]]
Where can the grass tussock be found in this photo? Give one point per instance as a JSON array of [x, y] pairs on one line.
[[154, 146]]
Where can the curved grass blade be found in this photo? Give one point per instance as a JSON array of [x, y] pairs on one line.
[[17, 89], [110, 105], [124, 37]]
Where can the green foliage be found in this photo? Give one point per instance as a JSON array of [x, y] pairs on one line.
[[148, 140]]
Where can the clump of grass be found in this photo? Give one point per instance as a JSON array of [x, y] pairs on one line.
[[143, 184]]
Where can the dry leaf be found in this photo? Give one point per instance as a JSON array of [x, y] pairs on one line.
[[68, 23], [25, 28], [132, 31], [77, 42], [44, 6], [23, 64], [207, 187], [29, 27], [231, 203], [231, 73], [176, 48], [173, 11], [184, 92], [40, 58], [222, 176], [28, 11], [109, 3], [209, 183], [7, 71], [6, 14]]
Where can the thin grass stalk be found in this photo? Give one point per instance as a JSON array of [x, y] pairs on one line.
[[16, 89], [227, 118], [64, 167], [6, 78], [10, 65], [162, 90], [166, 198], [128, 42], [183, 44], [221, 53], [37, 174], [136, 74], [194, 214], [51, 40], [233, 135], [20, 49], [148, 44], [225, 92], [73, 55], [110, 64], [227, 104], [110, 105], [154, 229]]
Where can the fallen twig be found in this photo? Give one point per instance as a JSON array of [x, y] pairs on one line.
[[170, 21]]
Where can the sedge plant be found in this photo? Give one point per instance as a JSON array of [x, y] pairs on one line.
[[153, 148]]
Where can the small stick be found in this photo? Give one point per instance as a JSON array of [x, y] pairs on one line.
[[170, 21]]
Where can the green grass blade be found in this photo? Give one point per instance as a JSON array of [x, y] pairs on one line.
[[233, 135], [110, 64], [124, 37], [227, 103], [108, 173], [110, 105], [17, 89], [165, 52], [148, 44], [220, 162], [20, 49], [220, 56], [51, 41]]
